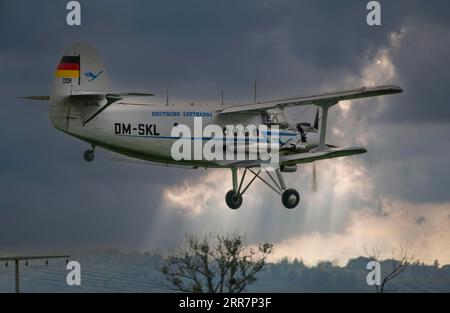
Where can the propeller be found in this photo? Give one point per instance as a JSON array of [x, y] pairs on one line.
[[316, 120], [314, 173], [314, 178]]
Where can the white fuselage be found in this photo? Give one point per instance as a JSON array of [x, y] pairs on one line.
[[145, 131]]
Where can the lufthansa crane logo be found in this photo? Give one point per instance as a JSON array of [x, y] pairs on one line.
[[92, 76]]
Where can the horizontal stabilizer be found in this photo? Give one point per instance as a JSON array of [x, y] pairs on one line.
[[92, 96], [111, 98], [136, 94], [37, 98], [80, 95]]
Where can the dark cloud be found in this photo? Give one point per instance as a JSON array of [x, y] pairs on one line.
[[421, 61], [51, 199]]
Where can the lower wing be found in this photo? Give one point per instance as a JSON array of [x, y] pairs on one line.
[[299, 158]]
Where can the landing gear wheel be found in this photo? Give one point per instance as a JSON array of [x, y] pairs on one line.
[[290, 198], [233, 200], [89, 155]]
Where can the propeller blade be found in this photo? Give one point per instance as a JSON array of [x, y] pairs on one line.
[[314, 178], [316, 120]]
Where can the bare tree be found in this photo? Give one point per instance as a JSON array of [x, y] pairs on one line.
[[215, 264], [399, 262]]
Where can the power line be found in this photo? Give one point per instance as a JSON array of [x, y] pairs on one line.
[[96, 279]]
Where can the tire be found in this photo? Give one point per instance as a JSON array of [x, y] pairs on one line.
[[233, 200], [89, 155], [290, 198]]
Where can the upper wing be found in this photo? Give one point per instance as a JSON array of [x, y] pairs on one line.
[[333, 97]]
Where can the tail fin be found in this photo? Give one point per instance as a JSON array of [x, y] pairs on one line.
[[79, 70]]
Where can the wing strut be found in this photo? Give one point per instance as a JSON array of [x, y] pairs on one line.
[[325, 106]]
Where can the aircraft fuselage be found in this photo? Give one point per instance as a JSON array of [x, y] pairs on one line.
[[145, 131]]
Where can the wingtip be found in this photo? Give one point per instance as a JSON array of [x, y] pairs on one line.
[[394, 89], [384, 89]]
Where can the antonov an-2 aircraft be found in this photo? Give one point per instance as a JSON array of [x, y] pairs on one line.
[[83, 105]]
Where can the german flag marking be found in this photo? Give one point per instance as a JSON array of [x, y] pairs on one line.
[[69, 66], [70, 59], [67, 73]]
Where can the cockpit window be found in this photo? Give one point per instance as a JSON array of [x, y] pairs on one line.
[[275, 117]]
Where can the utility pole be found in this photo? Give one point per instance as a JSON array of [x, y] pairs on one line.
[[16, 271], [16, 260], [167, 97], [222, 97], [254, 90]]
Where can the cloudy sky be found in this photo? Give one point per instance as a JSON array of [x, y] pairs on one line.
[[397, 194]]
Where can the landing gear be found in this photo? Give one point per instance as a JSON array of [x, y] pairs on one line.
[[233, 200], [289, 197], [89, 154], [234, 196]]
